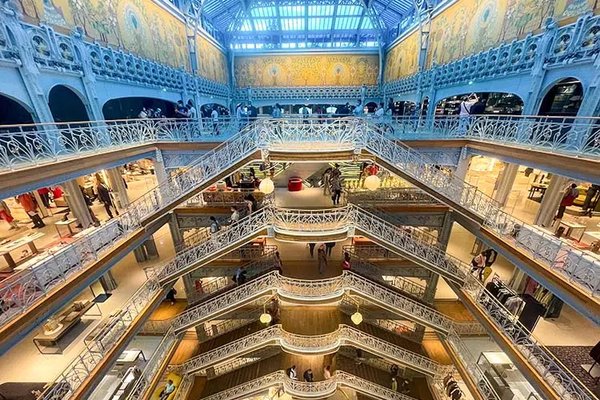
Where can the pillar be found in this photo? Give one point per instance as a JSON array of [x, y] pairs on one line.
[[464, 160], [551, 201], [505, 182], [108, 282], [76, 201], [43, 210], [146, 251], [117, 184], [159, 168]]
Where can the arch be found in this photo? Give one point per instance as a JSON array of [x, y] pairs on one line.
[[498, 103], [205, 109], [562, 97], [14, 112], [130, 107], [67, 105]]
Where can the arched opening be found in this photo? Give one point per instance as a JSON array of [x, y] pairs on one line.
[[495, 103], [371, 107], [563, 99], [66, 105], [130, 107], [13, 113]]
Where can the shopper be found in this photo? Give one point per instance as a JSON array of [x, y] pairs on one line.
[[6, 215], [346, 263], [308, 376], [291, 373], [311, 249], [327, 372], [591, 199], [27, 201], [239, 276], [277, 263], [171, 296], [104, 197], [214, 225], [478, 264], [329, 248], [273, 310], [358, 110], [326, 181], [235, 215], [322, 258], [276, 113], [336, 185], [569, 196], [167, 391], [394, 369], [45, 196]]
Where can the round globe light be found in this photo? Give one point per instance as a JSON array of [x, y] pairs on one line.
[[266, 186], [265, 318], [372, 182], [356, 318]]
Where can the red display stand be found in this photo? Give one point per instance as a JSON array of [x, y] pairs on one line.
[[294, 184]]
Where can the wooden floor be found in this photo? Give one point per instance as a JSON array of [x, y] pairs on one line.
[[310, 320], [454, 309], [188, 347], [167, 311], [436, 351]]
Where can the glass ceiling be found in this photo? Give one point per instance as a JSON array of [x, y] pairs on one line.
[[268, 24]]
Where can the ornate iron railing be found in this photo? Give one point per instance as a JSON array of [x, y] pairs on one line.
[[399, 282], [321, 389], [549, 367], [395, 196], [570, 263], [23, 289], [315, 344]]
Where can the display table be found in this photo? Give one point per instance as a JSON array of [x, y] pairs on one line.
[[572, 226], [66, 223], [535, 188], [127, 384], [67, 321], [129, 358], [294, 184], [28, 240]]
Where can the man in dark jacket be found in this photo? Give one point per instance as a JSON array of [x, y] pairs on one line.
[[104, 196]]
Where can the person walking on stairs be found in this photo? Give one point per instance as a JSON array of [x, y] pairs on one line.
[[322, 259]]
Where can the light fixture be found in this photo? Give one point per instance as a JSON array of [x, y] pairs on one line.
[[265, 318], [356, 318], [372, 182], [266, 186]]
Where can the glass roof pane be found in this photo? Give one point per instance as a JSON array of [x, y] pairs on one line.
[[366, 23], [347, 23], [292, 24], [292, 11], [349, 10], [246, 26], [261, 24], [319, 24], [263, 12], [318, 11]]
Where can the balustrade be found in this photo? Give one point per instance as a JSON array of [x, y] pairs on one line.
[[322, 344]]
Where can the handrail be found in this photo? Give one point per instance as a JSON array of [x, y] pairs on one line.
[[313, 344], [348, 281], [320, 389], [316, 290], [558, 255]]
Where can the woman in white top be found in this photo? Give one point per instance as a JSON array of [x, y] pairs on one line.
[[327, 372]]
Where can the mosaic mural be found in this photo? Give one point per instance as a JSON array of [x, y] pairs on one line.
[[470, 26], [139, 26], [402, 60], [306, 70], [212, 62]]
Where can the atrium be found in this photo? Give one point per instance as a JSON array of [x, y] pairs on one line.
[[299, 199]]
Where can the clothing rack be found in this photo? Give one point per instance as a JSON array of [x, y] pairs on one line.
[[508, 297]]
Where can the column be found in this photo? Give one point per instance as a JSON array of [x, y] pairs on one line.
[[464, 161], [146, 251], [505, 182], [43, 210], [551, 201], [117, 184], [108, 282], [77, 204], [159, 168]]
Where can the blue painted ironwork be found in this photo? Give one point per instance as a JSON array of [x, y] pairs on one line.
[[569, 45], [57, 52]]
